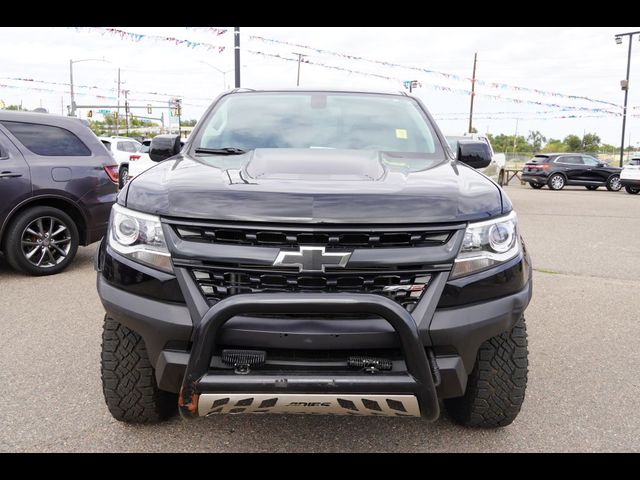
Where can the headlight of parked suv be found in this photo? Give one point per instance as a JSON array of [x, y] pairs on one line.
[[487, 244], [139, 236]]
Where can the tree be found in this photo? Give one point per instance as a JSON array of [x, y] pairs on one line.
[[13, 107], [189, 123], [590, 142], [504, 143], [554, 146], [573, 143], [536, 139]]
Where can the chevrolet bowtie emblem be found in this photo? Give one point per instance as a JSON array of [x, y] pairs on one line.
[[311, 259]]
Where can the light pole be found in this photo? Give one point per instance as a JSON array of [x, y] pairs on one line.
[[71, 62], [224, 73], [625, 86]]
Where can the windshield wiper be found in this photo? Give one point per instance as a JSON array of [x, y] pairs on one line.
[[221, 151]]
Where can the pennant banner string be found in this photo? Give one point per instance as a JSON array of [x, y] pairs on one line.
[[434, 86], [137, 37], [495, 85], [94, 87]]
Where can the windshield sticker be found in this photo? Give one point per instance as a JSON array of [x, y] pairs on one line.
[[401, 133]]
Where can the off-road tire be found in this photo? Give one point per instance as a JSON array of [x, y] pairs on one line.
[[128, 379], [497, 384], [13, 240], [537, 186], [632, 190]]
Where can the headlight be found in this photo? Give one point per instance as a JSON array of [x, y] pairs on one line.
[[487, 244], [139, 237]]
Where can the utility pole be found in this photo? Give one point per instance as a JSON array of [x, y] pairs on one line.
[[179, 108], [73, 102], [61, 105], [126, 110], [236, 34], [300, 55], [515, 137], [473, 91], [118, 109]]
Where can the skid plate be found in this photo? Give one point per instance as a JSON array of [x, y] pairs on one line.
[[309, 403]]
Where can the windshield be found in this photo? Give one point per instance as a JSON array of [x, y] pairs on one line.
[[388, 123]]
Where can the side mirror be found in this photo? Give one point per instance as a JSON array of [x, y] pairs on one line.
[[475, 154], [602, 164], [163, 147]]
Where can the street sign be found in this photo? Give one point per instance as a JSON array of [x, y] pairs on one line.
[[104, 111]]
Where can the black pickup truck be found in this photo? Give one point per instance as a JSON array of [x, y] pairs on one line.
[[314, 252]]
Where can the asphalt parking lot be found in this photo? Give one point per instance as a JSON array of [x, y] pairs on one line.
[[583, 393]]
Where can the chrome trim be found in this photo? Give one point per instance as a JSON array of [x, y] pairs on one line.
[[280, 259], [308, 403]]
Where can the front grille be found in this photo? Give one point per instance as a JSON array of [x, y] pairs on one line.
[[293, 236], [403, 286]]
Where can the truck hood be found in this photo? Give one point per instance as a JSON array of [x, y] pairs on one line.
[[315, 186]]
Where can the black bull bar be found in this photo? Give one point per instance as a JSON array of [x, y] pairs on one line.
[[417, 380]]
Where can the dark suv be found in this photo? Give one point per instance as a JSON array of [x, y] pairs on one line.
[[314, 252], [559, 169], [57, 186]]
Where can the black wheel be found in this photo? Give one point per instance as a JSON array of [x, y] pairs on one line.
[[632, 190], [128, 379], [537, 186], [614, 184], [497, 384], [556, 181], [591, 187], [123, 176], [41, 241]]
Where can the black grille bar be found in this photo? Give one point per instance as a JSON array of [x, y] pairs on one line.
[[289, 236], [403, 286]]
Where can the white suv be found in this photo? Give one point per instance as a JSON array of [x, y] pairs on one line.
[[121, 149], [630, 176], [495, 170], [139, 162]]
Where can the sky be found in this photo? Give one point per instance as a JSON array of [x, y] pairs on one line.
[[511, 63]]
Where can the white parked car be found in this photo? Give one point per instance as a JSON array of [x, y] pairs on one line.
[[121, 149], [140, 161], [630, 176], [495, 170]]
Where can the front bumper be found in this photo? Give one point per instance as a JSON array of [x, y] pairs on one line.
[[180, 337], [630, 182]]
